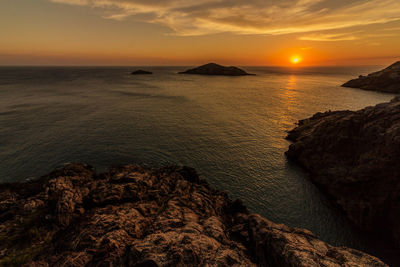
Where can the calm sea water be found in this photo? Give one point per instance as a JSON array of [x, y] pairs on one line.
[[231, 129]]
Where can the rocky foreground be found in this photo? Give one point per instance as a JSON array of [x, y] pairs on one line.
[[353, 156], [386, 80], [133, 216], [215, 69]]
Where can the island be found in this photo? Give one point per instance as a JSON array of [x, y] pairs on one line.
[[140, 72], [138, 216], [386, 80], [353, 157], [215, 69]]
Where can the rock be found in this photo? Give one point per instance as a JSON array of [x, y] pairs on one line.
[[215, 69], [353, 157], [139, 72], [386, 80], [134, 216]]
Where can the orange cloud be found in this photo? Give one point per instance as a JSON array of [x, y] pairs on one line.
[[249, 16], [325, 37]]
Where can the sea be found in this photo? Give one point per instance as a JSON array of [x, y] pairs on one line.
[[230, 129]]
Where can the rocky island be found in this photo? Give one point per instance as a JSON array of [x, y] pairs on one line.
[[140, 72], [215, 69], [386, 80], [353, 157], [135, 216]]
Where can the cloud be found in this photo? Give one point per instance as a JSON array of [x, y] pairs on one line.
[[272, 17], [324, 37], [397, 29], [72, 2]]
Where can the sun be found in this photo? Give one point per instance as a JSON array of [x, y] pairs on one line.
[[295, 59]]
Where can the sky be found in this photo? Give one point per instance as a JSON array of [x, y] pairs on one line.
[[183, 32]]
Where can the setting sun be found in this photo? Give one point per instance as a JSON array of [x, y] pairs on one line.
[[295, 59]]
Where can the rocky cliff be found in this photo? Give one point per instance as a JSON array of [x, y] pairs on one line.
[[386, 80], [133, 216], [353, 157], [215, 69]]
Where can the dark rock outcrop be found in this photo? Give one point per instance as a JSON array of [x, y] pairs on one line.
[[140, 72], [386, 80], [132, 216], [215, 69], [353, 157]]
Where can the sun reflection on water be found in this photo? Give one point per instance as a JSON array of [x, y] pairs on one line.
[[291, 84], [289, 101]]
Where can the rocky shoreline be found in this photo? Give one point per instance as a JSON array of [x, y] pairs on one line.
[[352, 156], [386, 80], [135, 216]]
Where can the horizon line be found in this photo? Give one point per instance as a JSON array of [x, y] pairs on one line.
[[239, 65]]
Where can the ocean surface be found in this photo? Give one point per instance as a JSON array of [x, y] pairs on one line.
[[231, 129]]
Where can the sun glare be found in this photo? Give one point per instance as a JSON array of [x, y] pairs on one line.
[[295, 59]]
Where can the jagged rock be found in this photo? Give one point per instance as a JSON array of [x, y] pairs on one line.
[[139, 72], [215, 69], [353, 157], [386, 80], [133, 216]]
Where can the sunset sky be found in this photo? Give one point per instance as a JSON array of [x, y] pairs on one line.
[[182, 32]]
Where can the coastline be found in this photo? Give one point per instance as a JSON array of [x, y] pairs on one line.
[[351, 156]]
